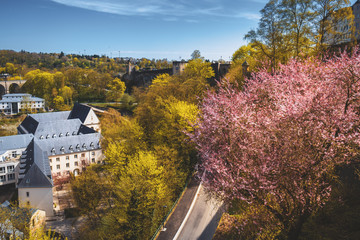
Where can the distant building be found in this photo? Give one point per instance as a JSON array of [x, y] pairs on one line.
[[178, 67], [14, 103]]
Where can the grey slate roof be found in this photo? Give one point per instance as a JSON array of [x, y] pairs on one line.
[[71, 144], [79, 111], [51, 116], [58, 128], [37, 168], [29, 125], [15, 142], [35, 179], [10, 98]]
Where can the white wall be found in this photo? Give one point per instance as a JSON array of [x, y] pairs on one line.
[[92, 121], [90, 157], [40, 198]]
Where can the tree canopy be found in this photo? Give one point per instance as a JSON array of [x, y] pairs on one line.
[[275, 144]]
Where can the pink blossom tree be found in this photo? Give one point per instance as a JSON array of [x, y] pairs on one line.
[[275, 144]]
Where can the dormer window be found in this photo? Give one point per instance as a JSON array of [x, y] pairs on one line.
[[54, 136], [78, 147], [92, 145], [74, 133], [84, 145], [53, 150], [47, 136], [62, 149], [41, 137], [67, 134], [60, 135], [71, 148]]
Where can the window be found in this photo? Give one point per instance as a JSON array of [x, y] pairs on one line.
[[84, 145], [92, 153], [83, 162], [13, 154], [53, 151], [2, 169], [67, 165], [41, 137], [47, 136], [58, 159], [62, 149], [76, 163], [50, 160], [92, 144], [67, 134], [74, 133], [11, 176], [83, 155], [67, 158], [54, 136], [60, 135], [71, 148], [75, 156], [10, 169], [77, 147], [93, 160], [2, 179], [51, 168], [57, 166], [28, 194]]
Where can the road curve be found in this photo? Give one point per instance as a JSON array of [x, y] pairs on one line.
[[203, 218]]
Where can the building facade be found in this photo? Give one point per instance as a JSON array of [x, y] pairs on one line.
[[15, 103], [11, 147], [49, 145]]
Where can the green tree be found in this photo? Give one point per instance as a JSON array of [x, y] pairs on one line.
[[116, 90], [297, 18], [196, 54], [268, 37], [66, 93], [58, 102]]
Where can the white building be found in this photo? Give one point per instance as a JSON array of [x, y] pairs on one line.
[[62, 143], [11, 148], [16, 102]]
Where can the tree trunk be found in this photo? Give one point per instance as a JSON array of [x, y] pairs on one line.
[[295, 229]]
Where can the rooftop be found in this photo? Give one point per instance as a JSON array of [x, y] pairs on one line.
[[15, 142]]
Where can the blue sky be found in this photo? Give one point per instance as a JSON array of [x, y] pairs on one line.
[[136, 28]]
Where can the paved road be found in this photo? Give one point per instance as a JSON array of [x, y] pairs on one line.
[[180, 211], [203, 219]]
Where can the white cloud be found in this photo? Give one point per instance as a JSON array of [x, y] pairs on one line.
[[166, 8]]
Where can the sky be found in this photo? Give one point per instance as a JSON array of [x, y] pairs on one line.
[[158, 29]]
